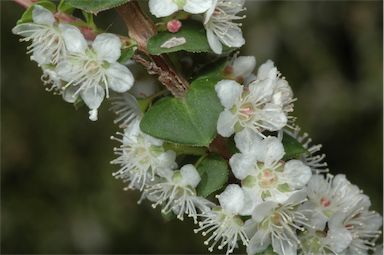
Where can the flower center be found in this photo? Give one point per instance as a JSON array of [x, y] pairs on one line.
[[325, 202], [246, 111], [267, 179]]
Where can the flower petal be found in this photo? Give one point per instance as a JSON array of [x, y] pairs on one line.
[[69, 94], [26, 29], [233, 37], [197, 6], [273, 152], [297, 174], [283, 247], [242, 165], [107, 47], [229, 92], [93, 96], [263, 210], [244, 66], [41, 15], [273, 117], [73, 38], [214, 42], [232, 199], [190, 176], [249, 142], [226, 123], [267, 70], [120, 79], [259, 242], [162, 8]]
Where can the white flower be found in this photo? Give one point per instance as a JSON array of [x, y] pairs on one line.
[[93, 70], [328, 196], [311, 158], [224, 223], [126, 108], [220, 26], [276, 224], [241, 68], [356, 230], [316, 242], [163, 8], [47, 41], [176, 192], [262, 105], [141, 157], [263, 173]]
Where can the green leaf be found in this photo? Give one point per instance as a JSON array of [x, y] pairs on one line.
[[65, 7], [292, 147], [95, 6], [193, 33], [189, 120], [127, 54], [214, 175], [27, 15], [182, 149]]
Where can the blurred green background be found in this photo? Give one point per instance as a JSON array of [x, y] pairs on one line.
[[57, 192]]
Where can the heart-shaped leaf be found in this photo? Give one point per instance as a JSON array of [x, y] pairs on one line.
[[95, 6], [191, 37], [214, 174], [189, 120]]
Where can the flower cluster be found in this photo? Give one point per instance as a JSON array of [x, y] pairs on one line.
[[219, 19], [276, 200], [74, 66]]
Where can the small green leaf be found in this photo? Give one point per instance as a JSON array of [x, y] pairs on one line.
[[189, 120], [192, 32], [65, 7], [95, 6], [214, 175], [127, 54], [292, 147], [27, 15]]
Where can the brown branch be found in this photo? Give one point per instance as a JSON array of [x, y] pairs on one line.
[[141, 28]]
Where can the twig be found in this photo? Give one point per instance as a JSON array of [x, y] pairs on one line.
[[141, 29]]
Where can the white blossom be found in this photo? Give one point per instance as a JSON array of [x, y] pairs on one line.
[[141, 157], [220, 26], [223, 222], [93, 71], [163, 8], [315, 242], [45, 33], [176, 192], [355, 231], [327, 196], [264, 175], [262, 105], [276, 224]]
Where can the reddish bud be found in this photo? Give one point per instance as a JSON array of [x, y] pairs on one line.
[[174, 25]]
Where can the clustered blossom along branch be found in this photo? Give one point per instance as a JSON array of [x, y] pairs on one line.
[[178, 146]]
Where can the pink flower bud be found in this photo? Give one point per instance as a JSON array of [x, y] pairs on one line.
[[174, 25]]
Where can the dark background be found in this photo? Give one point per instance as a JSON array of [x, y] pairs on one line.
[[57, 192]]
